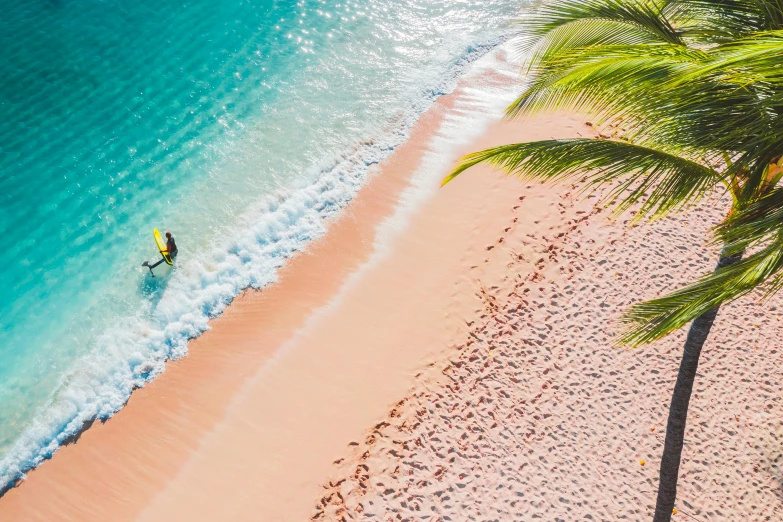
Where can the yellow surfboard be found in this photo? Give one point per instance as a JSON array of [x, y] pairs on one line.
[[161, 246]]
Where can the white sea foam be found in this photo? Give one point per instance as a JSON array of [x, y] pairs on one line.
[[134, 350]]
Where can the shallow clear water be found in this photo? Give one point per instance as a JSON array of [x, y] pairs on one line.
[[237, 125]]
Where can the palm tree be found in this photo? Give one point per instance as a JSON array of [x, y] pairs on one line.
[[698, 86]]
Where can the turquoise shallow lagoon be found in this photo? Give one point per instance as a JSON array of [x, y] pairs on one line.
[[237, 125]]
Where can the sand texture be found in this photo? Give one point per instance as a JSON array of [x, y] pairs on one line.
[[539, 417]]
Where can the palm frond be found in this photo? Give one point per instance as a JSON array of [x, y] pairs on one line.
[[651, 320], [645, 15], [606, 78], [664, 92], [747, 61], [659, 181], [721, 20], [756, 222], [641, 84], [585, 33], [754, 184]]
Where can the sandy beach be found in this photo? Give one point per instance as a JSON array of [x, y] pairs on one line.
[[444, 354], [536, 416]]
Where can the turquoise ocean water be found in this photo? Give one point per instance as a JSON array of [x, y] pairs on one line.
[[237, 125]]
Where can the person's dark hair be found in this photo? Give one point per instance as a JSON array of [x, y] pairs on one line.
[[168, 234]]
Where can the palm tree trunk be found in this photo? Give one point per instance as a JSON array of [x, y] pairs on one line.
[[678, 411]]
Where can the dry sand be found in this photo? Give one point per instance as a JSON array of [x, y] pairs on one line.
[[539, 417], [462, 339]]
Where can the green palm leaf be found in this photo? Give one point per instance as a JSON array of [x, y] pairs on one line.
[[585, 33], [643, 15], [754, 60], [607, 79], [757, 222], [651, 320], [722, 20], [659, 181]]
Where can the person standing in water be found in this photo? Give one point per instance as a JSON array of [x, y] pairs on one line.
[[171, 250], [171, 246]]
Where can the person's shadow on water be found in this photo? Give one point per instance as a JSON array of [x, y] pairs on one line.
[[153, 288]]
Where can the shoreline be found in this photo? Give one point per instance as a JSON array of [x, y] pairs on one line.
[[171, 415]]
